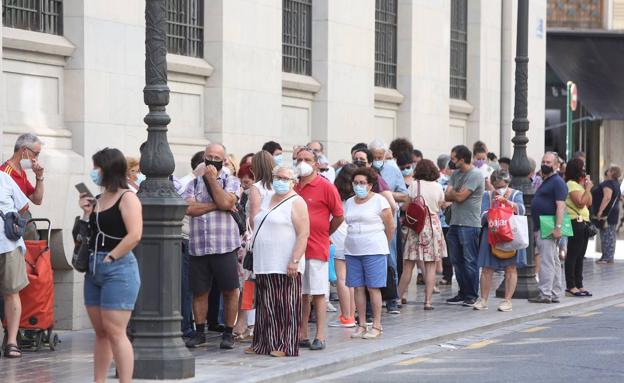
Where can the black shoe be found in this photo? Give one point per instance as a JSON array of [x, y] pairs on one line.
[[227, 341], [456, 300], [198, 339], [317, 345], [392, 307], [216, 327], [469, 302], [305, 343]]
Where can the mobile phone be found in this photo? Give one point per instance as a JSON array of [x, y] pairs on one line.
[[83, 189]]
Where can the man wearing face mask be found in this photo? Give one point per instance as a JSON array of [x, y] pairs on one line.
[[549, 200], [213, 243], [465, 191], [26, 157], [326, 215], [276, 151]]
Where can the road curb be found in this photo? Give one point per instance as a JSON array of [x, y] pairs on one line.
[[320, 369]]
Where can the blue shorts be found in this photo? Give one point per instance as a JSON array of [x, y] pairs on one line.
[[367, 270], [113, 286]]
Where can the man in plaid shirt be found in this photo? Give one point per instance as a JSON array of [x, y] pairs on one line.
[[213, 242]]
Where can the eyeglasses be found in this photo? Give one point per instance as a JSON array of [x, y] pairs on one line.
[[36, 154], [280, 178], [213, 158], [361, 183]]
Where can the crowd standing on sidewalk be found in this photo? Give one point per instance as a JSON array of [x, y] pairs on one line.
[[294, 213]]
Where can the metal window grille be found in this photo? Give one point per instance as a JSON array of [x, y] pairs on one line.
[[34, 15], [297, 36], [459, 44], [185, 27], [385, 43]]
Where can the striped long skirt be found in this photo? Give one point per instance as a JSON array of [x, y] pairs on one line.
[[278, 314]]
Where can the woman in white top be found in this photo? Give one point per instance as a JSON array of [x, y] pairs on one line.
[[282, 231], [369, 229], [428, 246]]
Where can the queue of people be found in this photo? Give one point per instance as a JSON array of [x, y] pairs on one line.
[[294, 213]]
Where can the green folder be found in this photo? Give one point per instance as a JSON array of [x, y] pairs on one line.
[[547, 226]]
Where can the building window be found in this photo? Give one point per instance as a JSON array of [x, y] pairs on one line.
[[385, 43], [39, 16], [297, 36], [185, 27], [459, 44]]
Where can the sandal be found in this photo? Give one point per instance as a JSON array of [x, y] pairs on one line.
[[428, 306], [245, 336], [250, 351], [579, 293], [369, 334], [277, 354], [359, 334], [11, 351], [586, 293]]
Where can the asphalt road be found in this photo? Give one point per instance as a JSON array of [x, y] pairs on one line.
[[586, 347]]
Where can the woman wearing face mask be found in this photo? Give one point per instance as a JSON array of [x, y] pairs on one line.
[[134, 176], [112, 282], [577, 203], [282, 230], [370, 227], [502, 194], [262, 165]]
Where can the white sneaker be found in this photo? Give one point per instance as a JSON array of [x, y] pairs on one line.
[[480, 304], [331, 308], [505, 306]]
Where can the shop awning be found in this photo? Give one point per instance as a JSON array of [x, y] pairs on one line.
[[595, 62]]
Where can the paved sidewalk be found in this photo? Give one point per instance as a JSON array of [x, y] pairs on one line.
[[72, 362]]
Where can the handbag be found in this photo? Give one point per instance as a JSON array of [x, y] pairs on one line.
[[520, 230], [547, 226], [80, 258], [238, 215], [248, 260], [14, 225], [499, 222], [503, 254], [590, 228], [249, 292]]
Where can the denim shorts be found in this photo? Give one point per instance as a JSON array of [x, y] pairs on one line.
[[367, 270], [112, 286]]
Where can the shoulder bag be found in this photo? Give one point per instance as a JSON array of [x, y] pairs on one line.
[[14, 225], [248, 260], [238, 215]]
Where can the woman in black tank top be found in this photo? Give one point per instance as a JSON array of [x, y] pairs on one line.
[[112, 282]]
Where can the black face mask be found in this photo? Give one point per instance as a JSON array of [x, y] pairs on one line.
[[546, 170], [452, 165], [217, 164], [359, 164]]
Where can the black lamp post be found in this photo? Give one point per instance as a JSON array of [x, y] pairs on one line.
[[520, 167], [159, 350]]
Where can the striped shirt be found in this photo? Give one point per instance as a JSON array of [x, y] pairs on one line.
[[215, 232]]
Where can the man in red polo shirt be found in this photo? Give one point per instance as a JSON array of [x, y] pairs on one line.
[[326, 215], [26, 156]]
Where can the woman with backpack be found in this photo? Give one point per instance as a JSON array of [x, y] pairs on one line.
[[428, 245], [502, 194]]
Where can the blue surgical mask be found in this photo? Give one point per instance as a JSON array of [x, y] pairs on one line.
[[278, 159], [281, 187], [96, 177], [407, 172], [378, 164], [360, 191], [140, 178]]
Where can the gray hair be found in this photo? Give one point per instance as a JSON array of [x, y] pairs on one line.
[[26, 140], [443, 161], [218, 144], [500, 175], [285, 166], [377, 144], [322, 160]]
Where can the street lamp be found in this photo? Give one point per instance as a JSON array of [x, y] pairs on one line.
[[520, 167], [159, 352]]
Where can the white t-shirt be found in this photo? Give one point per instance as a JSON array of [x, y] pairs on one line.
[[11, 199], [365, 229], [338, 237], [431, 191]]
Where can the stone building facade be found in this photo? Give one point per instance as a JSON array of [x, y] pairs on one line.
[[243, 72]]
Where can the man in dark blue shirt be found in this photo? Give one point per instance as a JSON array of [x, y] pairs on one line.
[[549, 200]]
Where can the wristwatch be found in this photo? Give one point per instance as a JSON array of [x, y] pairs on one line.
[[295, 261], [558, 226], [40, 179]]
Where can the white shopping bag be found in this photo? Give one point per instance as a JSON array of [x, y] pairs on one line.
[[520, 229]]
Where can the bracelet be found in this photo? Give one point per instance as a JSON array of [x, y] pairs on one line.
[[40, 179]]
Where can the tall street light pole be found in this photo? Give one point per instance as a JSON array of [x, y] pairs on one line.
[[520, 167], [157, 339]]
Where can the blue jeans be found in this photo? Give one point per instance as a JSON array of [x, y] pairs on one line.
[[464, 251], [186, 295]]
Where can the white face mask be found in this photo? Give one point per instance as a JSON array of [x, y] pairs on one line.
[[26, 163], [304, 169], [501, 191]]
